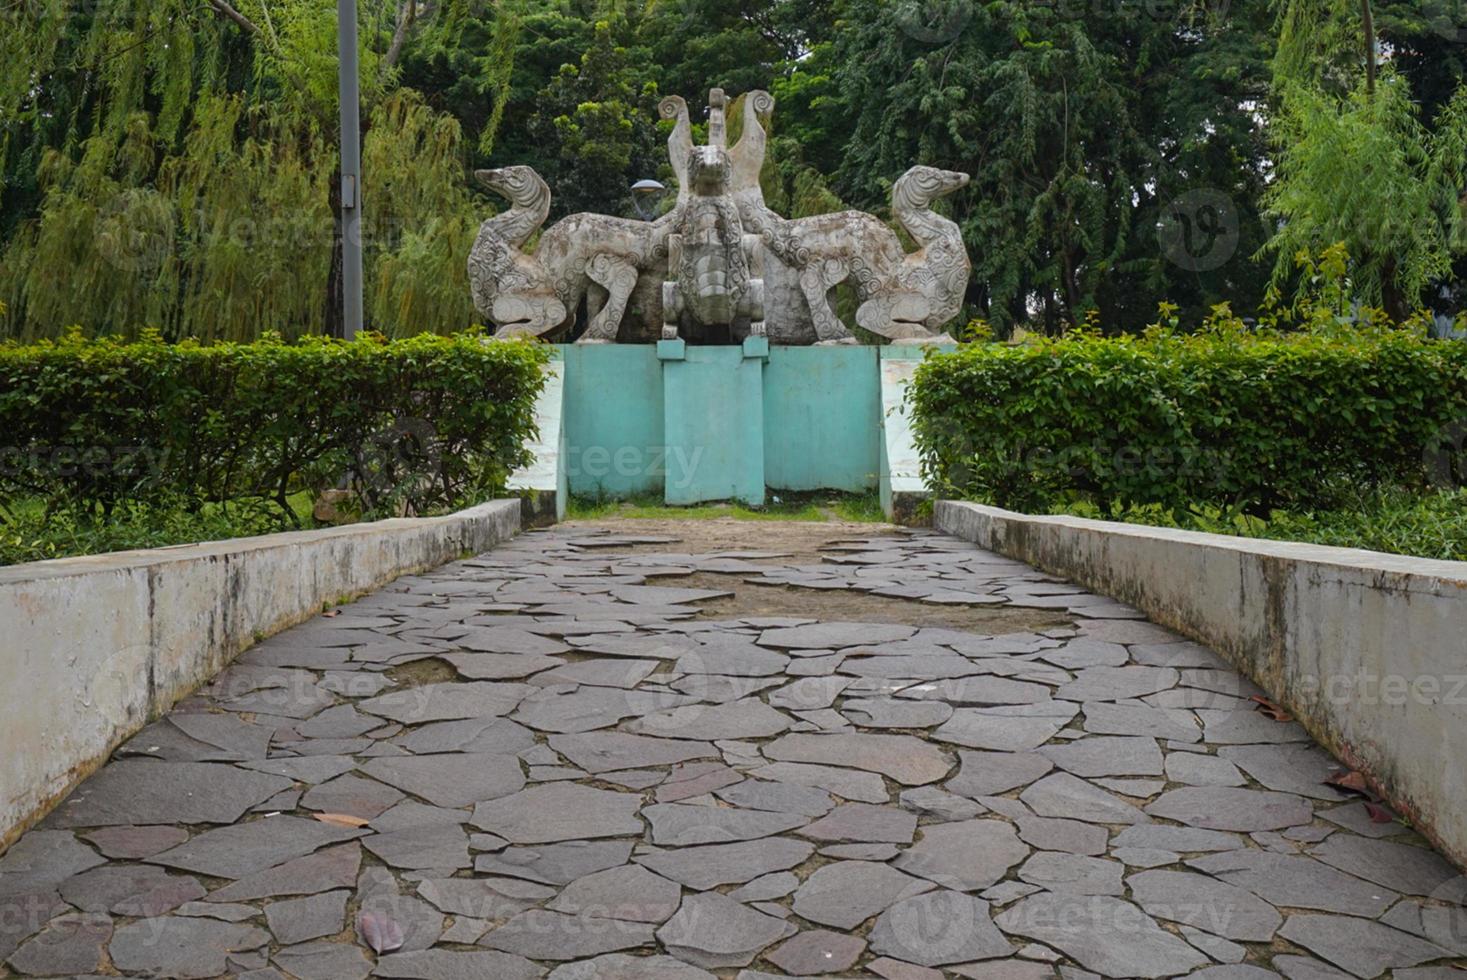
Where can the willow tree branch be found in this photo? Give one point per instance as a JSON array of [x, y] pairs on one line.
[[223, 9], [406, 16], [1368, 22]]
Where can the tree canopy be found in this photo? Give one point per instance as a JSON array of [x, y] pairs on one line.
[[172, 164]]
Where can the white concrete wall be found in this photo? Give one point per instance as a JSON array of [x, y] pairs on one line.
[[1367, 650], [92, 648]]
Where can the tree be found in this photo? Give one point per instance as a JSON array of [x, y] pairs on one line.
[[174, 163]]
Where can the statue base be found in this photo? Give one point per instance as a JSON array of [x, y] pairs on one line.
[[692, 424]]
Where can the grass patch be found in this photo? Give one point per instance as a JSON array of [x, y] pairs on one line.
[[28, 533], [1422, 524], [859, 508]]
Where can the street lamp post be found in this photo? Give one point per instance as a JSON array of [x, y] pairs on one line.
[[650, 191], [351, 169]]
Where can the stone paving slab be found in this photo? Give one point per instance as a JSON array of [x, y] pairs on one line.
[[599, 755]]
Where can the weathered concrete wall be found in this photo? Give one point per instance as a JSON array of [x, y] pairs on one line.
[[91, 648], [1367, 650]]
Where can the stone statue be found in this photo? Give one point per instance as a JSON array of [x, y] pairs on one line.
[[720, 264], [713, 266]]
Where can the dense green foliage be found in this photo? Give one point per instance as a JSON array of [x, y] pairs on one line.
[[171, 164], [1224, 420], [111, 431]]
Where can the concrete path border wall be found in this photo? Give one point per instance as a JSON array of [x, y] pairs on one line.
[[92, 648], [1367, 650]]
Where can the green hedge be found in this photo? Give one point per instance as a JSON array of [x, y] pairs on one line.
[[1241, 422], [417, 425]]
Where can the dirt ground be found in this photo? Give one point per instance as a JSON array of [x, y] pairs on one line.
[[804, 541]]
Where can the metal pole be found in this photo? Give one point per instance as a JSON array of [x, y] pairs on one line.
[[351, 170]]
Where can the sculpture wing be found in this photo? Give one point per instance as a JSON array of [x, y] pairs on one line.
[[747, 155], [680, 143]]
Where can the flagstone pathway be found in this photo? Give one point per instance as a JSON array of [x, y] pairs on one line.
[[608, 754]]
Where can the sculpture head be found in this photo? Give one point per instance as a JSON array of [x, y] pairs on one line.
[[709, 170], [921, 185], [519, 185]]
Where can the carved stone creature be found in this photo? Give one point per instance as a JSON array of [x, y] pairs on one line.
[[915, 300], [905, 298], [594, 257], [713, 266], [511, 289]]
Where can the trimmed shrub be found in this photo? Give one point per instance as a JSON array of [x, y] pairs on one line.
[[419, 425], [1237, 421]]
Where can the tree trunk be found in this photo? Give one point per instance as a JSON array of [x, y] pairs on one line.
[[334, 322]]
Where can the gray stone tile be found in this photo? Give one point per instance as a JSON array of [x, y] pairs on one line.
[[622, 966], [933, 802], [713, 931], [442, 964], [324, 961], [845, 894], [1228, 808], [68, 945], [967, 855], [894, 713], [747, 718], [1100, 755], [331, 867], [679, 824], [181, 947], [1206, 903], [992, 773], [832, 636], [242, 849], [817, 951], [1400, 867], [709, 866], [1012, 729], [1296, 881], [295, 920], [863, 822], [540, 934], [443, 847], [351, 795], [1101, 933], [937, 928], [451, 780], [556, 864], [560, 812], [861, 787], [483, 898], [763, 794], [136, 891], [609, 751], [1073, 874], [1066, 796], [1117, 683], [629, 892], [1288, 768], [904, 758], [137, 791], [1359, 946], [447, 701]]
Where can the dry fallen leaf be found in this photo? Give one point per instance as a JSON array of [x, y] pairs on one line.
[[341, 819], [379, 932], [331, 612], [1352, 781], [1270, 709], [1379, 814]]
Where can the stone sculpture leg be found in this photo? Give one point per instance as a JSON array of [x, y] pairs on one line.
[[672, 300], [815, 282], [618, 277]]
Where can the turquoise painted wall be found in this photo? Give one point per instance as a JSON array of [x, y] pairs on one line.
[[822, 418], [694, 424], [614, 443]]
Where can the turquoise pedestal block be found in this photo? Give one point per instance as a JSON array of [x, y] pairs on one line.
[[614, 445], [693, 424], [822, 418], [713, 412]]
